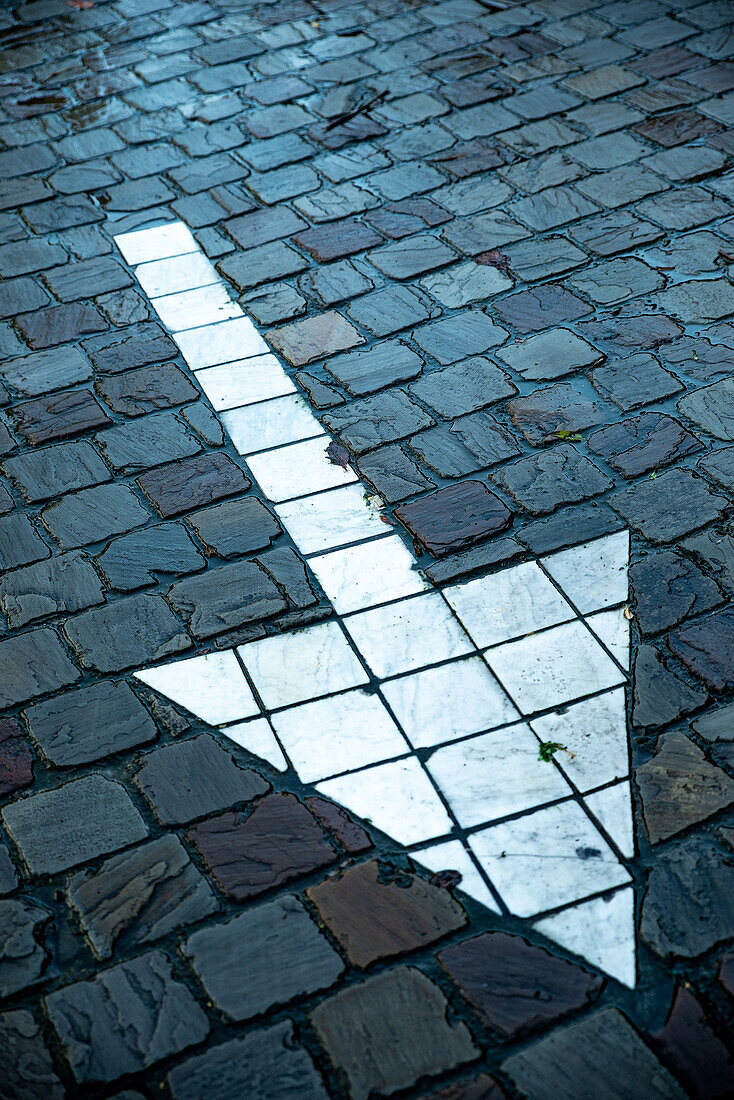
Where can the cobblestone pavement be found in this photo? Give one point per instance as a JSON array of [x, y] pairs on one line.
[[491, 243]]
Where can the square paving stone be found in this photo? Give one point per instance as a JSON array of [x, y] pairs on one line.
[[540, 308], [401, 1018], [193, 778], [470, 332], [24, 957], [59, 417], [125, 1019], [219, 1072], [60, 324], [25, 1062], [463, 387], [68, 825], [151, 441], [712, 408], [192, 483], [249, 854], [52, 471], [31, 664], [411, 256], [47, 370], [362, 372], [393, 474], [561, 475], [705, 647], [134, 560], [140, 895], [94, 514], [673, 504], [455, 517], [544, 415], [643, 443], [79, 726], [223, 598], [65, 583], [236, 527], [314, 338], [613, 232], [698, 300], [550, 354], [20, 542], [146, 389], [667, 588], [134, 631], [634, 381], [267, 956], [391, 309], [16, 758], [135, 346], [338, 239], [371, 421]]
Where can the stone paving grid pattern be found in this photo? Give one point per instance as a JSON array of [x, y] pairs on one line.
[[404, 795]]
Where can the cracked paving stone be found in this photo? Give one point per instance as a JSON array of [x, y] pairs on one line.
[[9, 877], [60, 324], [698, 300], [465, 283], [200, 417], [469, 443], [661, 695], [133, 561], [334, 283], [376, 912], [24, 958], [125, 1019], [289, 572], [139, 896], [706, 648], [151, 441], [411, 256], [371, 421], [613, 232], [192, 483], [31, 664], [363, 372], [634, 381], [720, 466], [352, 837], [93, 515], [688, 906], [563, 1063], [668, 588], [560, 475], [689, 1046], [515, 986], [479, 1087], [671, 505], [391, 309], [643, 443], [136, 346], [133, 631], [236, 527], [616, 280], [550, 354], [714, 550], [676, 128], [59, 416], [250, 853], [219, 1072], [276, 302], [702, 359], [401, 219], [540, 308], [463, 387], [60, 828], [53, 471], [631, 325], [314, 338], [257, 227], [224, 598], [146, 389], [16, 759], [193, 778], [87, 278], [65, 583], [44, 371], [455, 517], [26, 1066], [338, 239], [401, 1017], [264, 957], [393, 474], [679, 787], [20, 543], [685, 208], [543, 416], [712, 408], [468, 333], [90, 723]]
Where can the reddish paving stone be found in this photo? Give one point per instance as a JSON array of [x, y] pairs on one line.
[[677, 128], [455, 517], [16, 759], [375, 912], [694, 1053], [314, 338], [352, 837], [59, 417], [193, 483], [481, 1087], [643, 443], [679, 787], [58, 324], [340, 238], [545, 415], [140, 391], [725, 973], [515, 986], [469, 157], [251, 853]]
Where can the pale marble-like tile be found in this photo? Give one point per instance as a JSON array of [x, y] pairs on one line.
[[225, 342], [212, 686], [593, 575], [494, 775], [334, 518], [290, 668], [245, 382], [176, 274], [547, 859], [171, 239], [553, 667], [407, 635], [397, 798], [338, 734], [508, 604], [612, 807], [594, 736], [269, 424], [449, 701], [191, 309], [614, 630], [258, 738], [298, 470], [453, 856], [372, 573], [601, 931]]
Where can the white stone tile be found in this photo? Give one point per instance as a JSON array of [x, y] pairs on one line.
[[397, 798], [268, 424], [453, 856], [508, 604], [290, 668], [449, 701], [225, 342], [593, 575], [245, 382], [612, 807], [407, 635], [494, 775], [594, 736], [213, 686], [338, 734], [546, 859], [193, 308], [258, 738], [175, 274], [553, 667], [171, 239], [600, 931], [298, 470], [334, 518], [614, 630], [372, 573]]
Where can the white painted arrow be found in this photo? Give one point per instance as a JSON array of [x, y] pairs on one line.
[[421, 711]]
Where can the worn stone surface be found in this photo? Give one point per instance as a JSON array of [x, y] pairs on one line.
[[560, 475], [193, 483], [65, 583], [53, 471], [661, 694], [131, 632], [233, 595], [31, 664], [58, 416], [133, 560], [550, 413], [679, 787], [455, 517], [16, 758], [304, 341], [94, 514], [705, 647], [643, 443], [667, 588], [693, 1051], [669, 506], [23, 958], [25, 1062]]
